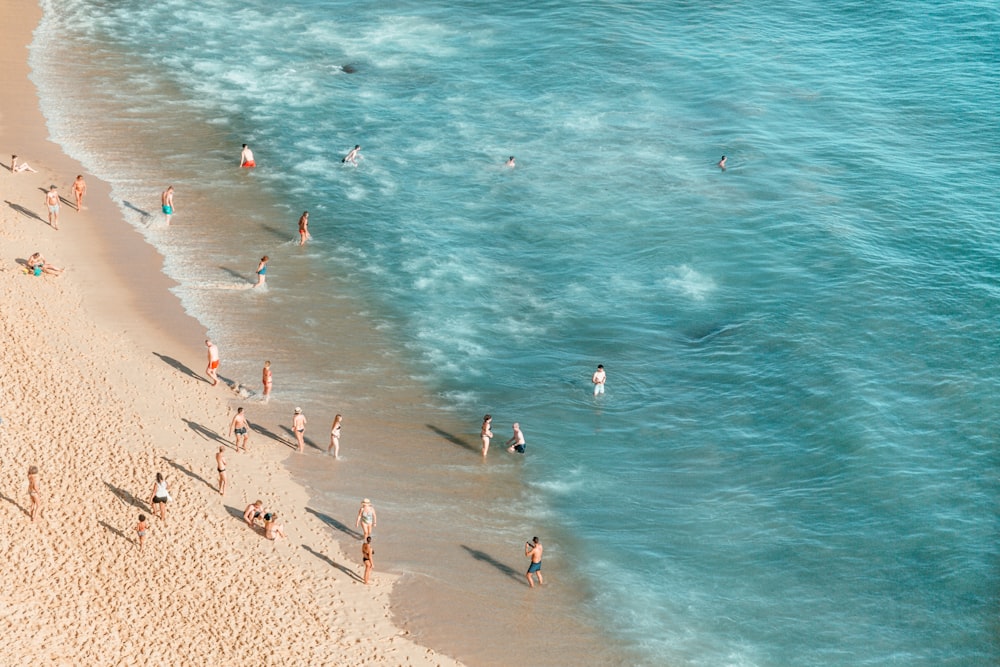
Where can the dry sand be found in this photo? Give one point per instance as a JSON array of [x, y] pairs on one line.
[[103, 388]]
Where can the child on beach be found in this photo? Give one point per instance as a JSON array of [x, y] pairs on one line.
[[140, 530], [262, 271]]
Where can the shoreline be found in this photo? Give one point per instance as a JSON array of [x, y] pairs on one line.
[[104, 367]]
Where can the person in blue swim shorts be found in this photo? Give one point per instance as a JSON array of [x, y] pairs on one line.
[[167, 199], [533, 550]]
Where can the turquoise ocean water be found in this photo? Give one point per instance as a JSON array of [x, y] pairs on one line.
[[796, 460]]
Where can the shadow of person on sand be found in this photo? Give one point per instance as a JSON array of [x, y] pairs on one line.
[[333, 523], [206, 433], [189, 473], [170, 361], [486, 558], [454, 439], [28, 213], [267, 433], [127, 497], [294, 443], [14, 503], [114, 530], [343, 568]]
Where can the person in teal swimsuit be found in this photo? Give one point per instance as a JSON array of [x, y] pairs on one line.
[[262, 271]]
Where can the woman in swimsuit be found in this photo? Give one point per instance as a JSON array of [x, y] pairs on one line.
[[486, 433], [272, 529], [366, 517], [37, 264], [140, 530], [34, 493], [267, 380], [335, 437], [220, 465], [367, 555], [160, 497], [262, 271]]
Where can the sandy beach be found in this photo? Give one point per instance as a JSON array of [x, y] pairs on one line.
[[105, 387]]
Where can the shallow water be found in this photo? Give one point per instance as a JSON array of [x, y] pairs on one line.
[[795, 461]]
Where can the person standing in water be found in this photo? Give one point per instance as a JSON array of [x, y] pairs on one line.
[[52, 203], [721, 164], [246, 158], [220, 465], [510, 162], [34, 493], [213, 362], [516, 442], [533, 550], [367, 518], [335, 437], [167, 202], [353, 156], [262, 271], [303, 228], [599, 378], [239, 427], [79, 189], [299, 428], [267, 380], [485, 433]]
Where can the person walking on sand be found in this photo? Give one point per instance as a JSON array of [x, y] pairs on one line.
[[367, 518], [79, 189], [262, 271], [533, 550], [167, 202], [486, 433], [213, 362], [599, 378], [304, 228], [246, 158], [335, 437], [299, 428], [254, 511], [140, 530], [16, 168], [353, 156], [34, 493], [160, 497], [220, 465], [52, 202], [240, 428], [267, 380], [516, 442], [367, 556]]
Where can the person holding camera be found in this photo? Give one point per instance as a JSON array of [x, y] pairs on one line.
[[533, 550]]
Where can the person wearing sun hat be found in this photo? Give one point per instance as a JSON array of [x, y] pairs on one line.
[[367, 518], [299, 428]]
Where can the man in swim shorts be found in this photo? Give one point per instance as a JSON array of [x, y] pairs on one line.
[[167, 199], [240, 427], [52, 202], [353, 156], [599, 378], [213, 362], [533, 550], [516, 443], [246, 158], [253, 512]]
